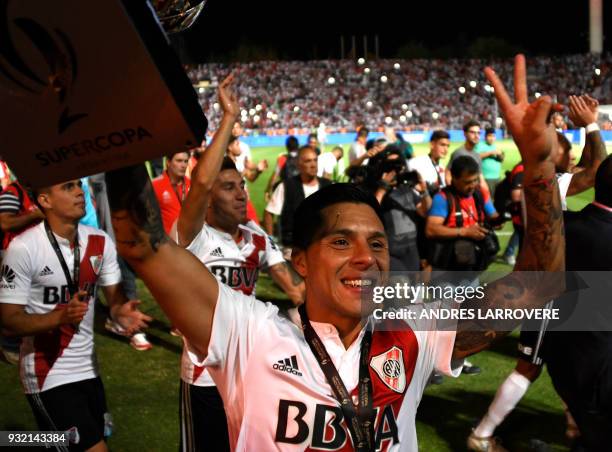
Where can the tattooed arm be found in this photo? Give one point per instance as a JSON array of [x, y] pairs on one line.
[[538, 274], [584, 111], [289, 281], [184, 289]]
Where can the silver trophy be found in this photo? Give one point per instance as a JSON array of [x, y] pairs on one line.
[[178, 15]]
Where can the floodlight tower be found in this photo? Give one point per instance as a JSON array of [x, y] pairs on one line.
[[596, 26]]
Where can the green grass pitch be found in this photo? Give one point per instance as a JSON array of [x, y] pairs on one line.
[[142, 387]]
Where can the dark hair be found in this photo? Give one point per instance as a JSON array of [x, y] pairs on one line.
[[313, 135], [292, 143], [228, 164], [439, 135], [363, 132], [171, 155], [308, 219], [489, 131], [603, 182], [464, 164], [470, 123]]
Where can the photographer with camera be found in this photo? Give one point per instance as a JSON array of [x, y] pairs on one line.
[[430, 166], [460, 221], [405, 201]]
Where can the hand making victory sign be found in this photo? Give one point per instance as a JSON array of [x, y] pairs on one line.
[[527, 122]]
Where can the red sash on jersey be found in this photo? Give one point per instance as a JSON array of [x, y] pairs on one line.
[[51, 345]]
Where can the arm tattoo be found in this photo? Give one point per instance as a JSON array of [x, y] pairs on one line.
[[284, 269], [598, 147], [130, 194], [538, 276]]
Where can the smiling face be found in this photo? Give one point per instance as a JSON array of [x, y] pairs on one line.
[[227, 208], [65, 201], [343, 263]]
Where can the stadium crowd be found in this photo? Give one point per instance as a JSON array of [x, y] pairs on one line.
[[278, 95], [387, 210]]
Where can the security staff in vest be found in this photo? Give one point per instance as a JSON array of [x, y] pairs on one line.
[[288, 195]]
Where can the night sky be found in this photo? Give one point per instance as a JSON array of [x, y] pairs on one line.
[[309, 30]]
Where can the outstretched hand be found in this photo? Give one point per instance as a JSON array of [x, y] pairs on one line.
[[527, 122], [583, 110], [227, 97]]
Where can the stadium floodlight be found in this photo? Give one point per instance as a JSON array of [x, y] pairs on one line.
[[473, 84], [296, 109], [252, 112], [369, 104], [435, 115], [201, 90], [331, 80], [383, 79], [396, 66], [403, 118], [388, 120], [537, 95], [487, 88], [216, 106], [462, 89], [404, 107], [361, 61], [597, 71], [258, 107], [366, 70], [256, 118], [409, 114]]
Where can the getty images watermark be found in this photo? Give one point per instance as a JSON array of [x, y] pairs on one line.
[[564, 301]]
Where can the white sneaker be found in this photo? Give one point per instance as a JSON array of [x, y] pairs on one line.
[[114, 327], [510, 260], [139, 342]]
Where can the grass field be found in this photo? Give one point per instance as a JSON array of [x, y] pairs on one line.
[[142, 387]]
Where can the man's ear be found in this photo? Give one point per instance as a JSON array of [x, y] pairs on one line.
[[43, 200], [298, 260]]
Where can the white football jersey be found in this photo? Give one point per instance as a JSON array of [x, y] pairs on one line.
[[276, 396], [32, 276], [236, 265]]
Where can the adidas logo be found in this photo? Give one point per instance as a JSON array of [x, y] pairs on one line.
[[46, 271], [8, 275], [217, 252], [288, 365]]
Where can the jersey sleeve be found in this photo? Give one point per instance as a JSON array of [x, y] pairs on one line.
[[275, 206], [16, 277], [110, 274], [9, 203], [237, 320], [439, 207], [273, 253], [436, 345], [200, 242]]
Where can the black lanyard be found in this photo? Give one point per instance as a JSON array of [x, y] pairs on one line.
[[359, 419], [73, 282]]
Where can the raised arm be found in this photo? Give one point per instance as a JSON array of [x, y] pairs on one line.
[[179, 282], [193, 212], [538, 274], [584, 111]]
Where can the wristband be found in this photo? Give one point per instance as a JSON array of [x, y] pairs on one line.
[[593, 127]]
